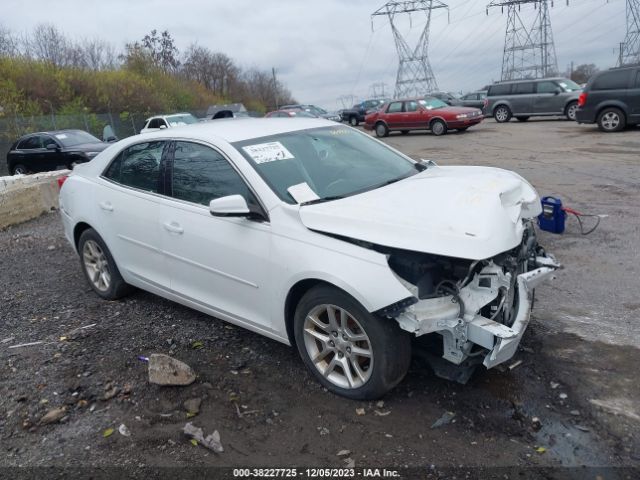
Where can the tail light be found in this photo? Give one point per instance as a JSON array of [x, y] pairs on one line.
[[61, 180], [582, 99]]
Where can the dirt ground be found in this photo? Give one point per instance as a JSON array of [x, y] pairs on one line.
[[578, 370]]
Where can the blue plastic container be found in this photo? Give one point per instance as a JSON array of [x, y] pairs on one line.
[[552, 217]]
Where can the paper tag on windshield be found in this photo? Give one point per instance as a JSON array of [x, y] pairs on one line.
[[61, 136], [268, 152], [302, 193]]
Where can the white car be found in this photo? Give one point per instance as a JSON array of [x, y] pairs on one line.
[[160, 122], [316, 235]]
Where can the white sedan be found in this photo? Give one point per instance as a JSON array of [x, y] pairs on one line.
[[316, 235]]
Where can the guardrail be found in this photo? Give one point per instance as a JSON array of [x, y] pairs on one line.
[[24, 197]]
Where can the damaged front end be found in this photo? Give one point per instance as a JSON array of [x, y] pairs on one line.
[[480, 308]]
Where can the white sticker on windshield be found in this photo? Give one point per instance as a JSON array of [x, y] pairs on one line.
[[61, 136], [268, 152]]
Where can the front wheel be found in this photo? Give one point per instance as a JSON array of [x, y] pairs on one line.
[[611, 120], [502, 114], [99, 268], [351, 352], [382, 130], [571, 111], [353, 121], [438, 127]]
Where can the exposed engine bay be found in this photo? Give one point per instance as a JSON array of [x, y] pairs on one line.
[[480, 308]]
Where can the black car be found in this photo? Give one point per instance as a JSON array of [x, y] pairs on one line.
[[45, 151], [611, 99], [356, 114], [449, 98], [474, 99]]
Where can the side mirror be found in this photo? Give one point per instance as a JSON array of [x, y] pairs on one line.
[[52, 146], [557, 91], [229, 206], [162, 127], [112, 139]]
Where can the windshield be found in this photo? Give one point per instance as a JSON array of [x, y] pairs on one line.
[[75, 137], [431, 103], [332, 161], [182, 119], [316, 110], [569, 85]]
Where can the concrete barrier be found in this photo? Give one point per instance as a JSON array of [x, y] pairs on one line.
[[24, 197]]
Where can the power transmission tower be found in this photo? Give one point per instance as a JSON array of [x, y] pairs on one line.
[[414, 77], [529, 52], [377, 90], [347, 101], [630, 48]]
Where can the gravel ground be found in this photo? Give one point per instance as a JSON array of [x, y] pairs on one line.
[[576, 373]]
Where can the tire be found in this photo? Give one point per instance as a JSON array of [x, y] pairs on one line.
[[438, 127], [570, 111], [381, 130], [353, 121], [611, 119], [404, 132], [99, 268], [369, 377], [19, 169], [502, 114], [522, 118]]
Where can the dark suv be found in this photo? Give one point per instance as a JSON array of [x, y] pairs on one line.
[[525, 98], [45, 151], [611, 99]]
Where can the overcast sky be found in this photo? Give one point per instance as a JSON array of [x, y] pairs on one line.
[[324, 49]]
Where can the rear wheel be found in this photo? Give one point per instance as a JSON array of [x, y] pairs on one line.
[[381, 130], [438, 127], [502, 114], [99, 268], [19, 169], [571, 110], [523, 118], [611, 119], [350, 351], [353, 121]]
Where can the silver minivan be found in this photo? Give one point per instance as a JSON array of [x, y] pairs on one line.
[[525, 98]]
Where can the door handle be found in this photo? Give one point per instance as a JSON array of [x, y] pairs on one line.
[[173, 227], [106, 206]]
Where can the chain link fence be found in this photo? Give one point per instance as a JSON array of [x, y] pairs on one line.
[[123, 125]]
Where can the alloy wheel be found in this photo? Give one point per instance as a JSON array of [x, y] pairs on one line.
[[571, 111], [437, 128], [96, 265], [610, 121], [338, 346], [501, 114]]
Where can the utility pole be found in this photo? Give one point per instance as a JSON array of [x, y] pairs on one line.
[[630, 48], [529, 52], [415, 77]]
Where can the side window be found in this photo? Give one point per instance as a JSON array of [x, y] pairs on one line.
[[46, 140], [637, 85], [612, 80], [524, 88], [547, 87], [200, 174], [161, 123], [31, 143], [395, 107], [500, 89], [138, 166], [411, 106]]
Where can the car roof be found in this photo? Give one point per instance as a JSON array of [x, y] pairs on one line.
[[53, 132], [239, 129], [524, 80]]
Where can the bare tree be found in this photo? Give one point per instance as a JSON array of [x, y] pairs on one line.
[[9, 44], [584, 72], [216, 71], [48, 44], [98, 54]]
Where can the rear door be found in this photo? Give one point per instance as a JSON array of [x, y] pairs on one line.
[[395, 116], [414, 115], [129, 201], [522, 98], [30, 153]]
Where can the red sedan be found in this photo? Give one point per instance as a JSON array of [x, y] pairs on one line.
[[426, 113]]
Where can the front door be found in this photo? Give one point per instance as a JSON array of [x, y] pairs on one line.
[[549, 98], [222, 263]]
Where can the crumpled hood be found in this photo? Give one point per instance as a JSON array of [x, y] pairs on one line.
[[464, 212]]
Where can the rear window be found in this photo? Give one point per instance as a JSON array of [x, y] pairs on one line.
[[501, 89], [612, 80]]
